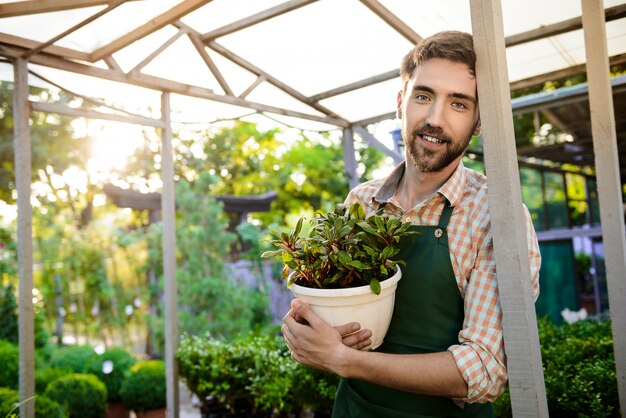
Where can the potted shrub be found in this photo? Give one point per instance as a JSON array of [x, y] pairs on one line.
[[347, 267], [111, 368], [81, 395], [143, 390]]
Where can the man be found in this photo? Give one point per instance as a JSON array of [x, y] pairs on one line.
[[443, 354]]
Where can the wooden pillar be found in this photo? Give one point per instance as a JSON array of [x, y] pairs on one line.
[[26, 317], [169, 259], [349, 158], [608, 176], [521, 339]]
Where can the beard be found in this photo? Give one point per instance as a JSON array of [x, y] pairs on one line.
[[429, 161]]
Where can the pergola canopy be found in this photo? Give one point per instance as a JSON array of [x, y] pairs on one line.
[[313, 64], [322, 65]]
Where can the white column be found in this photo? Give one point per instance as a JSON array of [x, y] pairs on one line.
[[608, 177], [349, 158], [169, 259], [26, 317], [521, 339]]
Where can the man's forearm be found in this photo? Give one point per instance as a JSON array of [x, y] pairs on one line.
[[433, 374]]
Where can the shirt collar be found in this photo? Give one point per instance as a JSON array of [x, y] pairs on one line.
[[452, 189]]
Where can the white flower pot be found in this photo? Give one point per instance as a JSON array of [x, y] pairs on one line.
[[355, 304]]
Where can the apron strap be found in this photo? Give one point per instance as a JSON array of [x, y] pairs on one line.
[[445, 215]]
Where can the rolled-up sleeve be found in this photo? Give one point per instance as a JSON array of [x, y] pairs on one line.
[[480, 355]]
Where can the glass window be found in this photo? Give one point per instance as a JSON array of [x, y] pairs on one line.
[[532, 196], [555, 200]]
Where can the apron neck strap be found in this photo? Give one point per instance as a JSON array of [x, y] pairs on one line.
[[445, 215]]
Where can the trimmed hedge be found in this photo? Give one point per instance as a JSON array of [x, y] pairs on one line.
[[44, 407], [81, 395], [144, 387], [72, 357], [111, 368], [9, 364], [579, 370], [252, 376]]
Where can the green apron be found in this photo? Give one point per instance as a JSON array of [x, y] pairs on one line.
[[427, 318]]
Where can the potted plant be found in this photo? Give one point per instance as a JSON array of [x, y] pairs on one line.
[[347, 267], [143, 390], [111, 368]]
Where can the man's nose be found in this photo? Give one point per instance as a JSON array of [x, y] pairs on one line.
[[436, 114]]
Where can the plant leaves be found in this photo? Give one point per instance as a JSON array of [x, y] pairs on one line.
[[375, 286]]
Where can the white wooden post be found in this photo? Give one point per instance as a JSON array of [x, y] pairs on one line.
[[521, 339], [349, 158], [608, 176], [169, 259], [26, 317]]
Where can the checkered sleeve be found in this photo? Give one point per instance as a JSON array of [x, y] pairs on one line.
[[480, 355]]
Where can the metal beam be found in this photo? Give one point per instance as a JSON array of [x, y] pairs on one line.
[[374, 142], [60, 109], [173, 14], [41, 47], [392, 20], [21, 8], [612, 13], [256, 18], [160, 84]]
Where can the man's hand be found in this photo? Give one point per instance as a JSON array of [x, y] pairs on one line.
[[315, 343]]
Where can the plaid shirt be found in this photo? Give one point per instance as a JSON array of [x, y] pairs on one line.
[[480, 353]]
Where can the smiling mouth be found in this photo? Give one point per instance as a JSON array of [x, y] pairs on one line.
[[433, 140]]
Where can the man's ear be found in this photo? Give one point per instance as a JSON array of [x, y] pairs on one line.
[[399, 105], [477, 129]]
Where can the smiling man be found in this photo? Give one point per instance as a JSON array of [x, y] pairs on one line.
[[443, 355]]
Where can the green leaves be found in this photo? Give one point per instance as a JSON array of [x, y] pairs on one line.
[[343, 249]]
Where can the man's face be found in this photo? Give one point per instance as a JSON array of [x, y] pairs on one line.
[[439, 113]]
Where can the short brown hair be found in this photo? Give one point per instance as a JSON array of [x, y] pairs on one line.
[[451, 45]]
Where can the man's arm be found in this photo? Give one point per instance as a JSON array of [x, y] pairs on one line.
[[319, 345]]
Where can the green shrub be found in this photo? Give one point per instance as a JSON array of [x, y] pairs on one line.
[[111, 368], [215, 370], [9, 364], [81, 395], [46, 375], [72, 357], [44, 407], [144, 387], [579, 370], [252, 375]]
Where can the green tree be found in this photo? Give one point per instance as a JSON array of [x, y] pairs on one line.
[[54, 148], [209, 299]]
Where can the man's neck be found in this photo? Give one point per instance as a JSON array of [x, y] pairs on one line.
[[416, 186]]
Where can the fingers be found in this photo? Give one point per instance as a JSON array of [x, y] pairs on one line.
[[358, 340], [347, 329], [304, 315]]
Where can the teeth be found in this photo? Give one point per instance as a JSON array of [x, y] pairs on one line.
[[432, 139]]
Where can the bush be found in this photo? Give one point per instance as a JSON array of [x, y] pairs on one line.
[[72, 357], [46, 375], [81, 395], [252, 375], [111, 368], [44, 407], [144, 387], [579, 370], [9, 361]]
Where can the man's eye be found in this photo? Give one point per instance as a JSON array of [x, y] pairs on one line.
[[459, 106], [421, 97]]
